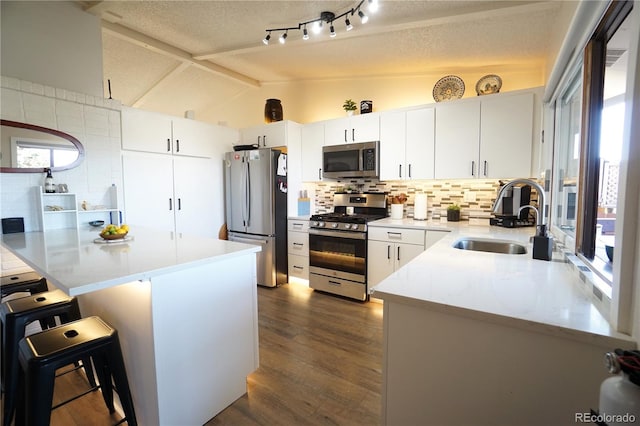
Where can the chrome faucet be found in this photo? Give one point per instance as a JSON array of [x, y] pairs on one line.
[[540, 225]]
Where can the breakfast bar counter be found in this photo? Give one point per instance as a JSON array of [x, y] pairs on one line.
[[185, 308]]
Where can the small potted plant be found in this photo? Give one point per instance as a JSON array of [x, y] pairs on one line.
[[453, 213], [349, 106]]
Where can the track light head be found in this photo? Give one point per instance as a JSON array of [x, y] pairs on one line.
[[332, 31], [266, 39], [283, 37], [363, 18], [347, 22], [305, 34], [317, 27]]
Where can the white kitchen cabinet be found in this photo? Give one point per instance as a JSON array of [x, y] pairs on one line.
[[485, 137], [389, 249], [312, 143], [357, 128], [164, 134], [298, 248], [172, 193], [407, 141], [265, 135]]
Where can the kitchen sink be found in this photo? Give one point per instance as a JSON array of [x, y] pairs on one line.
[[492, 246]]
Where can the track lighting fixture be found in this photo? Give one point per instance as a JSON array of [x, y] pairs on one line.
[[325, 17], [363, 18]]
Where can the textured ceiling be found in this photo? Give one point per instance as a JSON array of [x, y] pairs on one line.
[[156, 47]]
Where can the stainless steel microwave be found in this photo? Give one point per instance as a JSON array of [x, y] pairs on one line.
[[351, 160]]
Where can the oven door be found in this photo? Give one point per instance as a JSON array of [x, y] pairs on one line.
[[339, 254]]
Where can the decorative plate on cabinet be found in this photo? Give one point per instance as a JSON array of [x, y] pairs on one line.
[[447, 88], [488, 84]]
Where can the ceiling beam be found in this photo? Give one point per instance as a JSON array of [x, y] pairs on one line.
[[173, 52], [366, 31], [163, 81]]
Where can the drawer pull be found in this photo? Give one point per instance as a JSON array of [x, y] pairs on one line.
[[298, 244], [298, 267], [394, 234], [298, 225], [335, 283]]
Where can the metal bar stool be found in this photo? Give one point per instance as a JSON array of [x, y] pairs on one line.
[[15, 315], [41, 354], [29, 282]]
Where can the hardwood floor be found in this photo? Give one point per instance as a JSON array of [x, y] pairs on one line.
[[320, 364]]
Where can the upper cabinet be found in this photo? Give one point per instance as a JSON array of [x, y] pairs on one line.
[[357, 128], [163, 134], [485, 137], [265, 135], [312, 143], [407, 141]]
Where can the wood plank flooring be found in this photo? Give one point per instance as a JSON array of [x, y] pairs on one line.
[[320, 364]]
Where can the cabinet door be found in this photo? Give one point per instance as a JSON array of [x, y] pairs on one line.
[[197, 197], [148, 190], [405, 253], [365, 128], [457, 140], [393, 129], [337, 131], [146, 131], [506, 136], [380, 265], [420, 143], [193, 138], [274, 134], [252, 135], [312, 143]]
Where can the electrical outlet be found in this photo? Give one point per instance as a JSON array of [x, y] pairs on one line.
[[469, 196]]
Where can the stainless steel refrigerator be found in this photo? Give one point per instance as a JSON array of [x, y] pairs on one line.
[[256, 208]]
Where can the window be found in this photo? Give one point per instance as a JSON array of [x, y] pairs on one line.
[[603, 121]]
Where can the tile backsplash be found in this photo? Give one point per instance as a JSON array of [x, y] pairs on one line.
[[474, 196]]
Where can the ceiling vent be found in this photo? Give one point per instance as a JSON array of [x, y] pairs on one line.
[[613, 55]]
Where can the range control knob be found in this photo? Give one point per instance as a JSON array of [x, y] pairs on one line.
[[347, 226], [321, 224], [316, 223], [354, 226], [334, 225]]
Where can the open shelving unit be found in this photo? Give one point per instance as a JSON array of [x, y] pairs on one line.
[[63, 210]]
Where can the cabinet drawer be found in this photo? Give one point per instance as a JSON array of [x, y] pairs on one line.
[[298, 225], [298, 243], [299, 266], [403, 235]]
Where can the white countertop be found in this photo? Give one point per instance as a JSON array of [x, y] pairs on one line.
[[73, 262], [541, 296]]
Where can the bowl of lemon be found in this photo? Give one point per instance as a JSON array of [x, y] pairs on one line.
[[114, 232]]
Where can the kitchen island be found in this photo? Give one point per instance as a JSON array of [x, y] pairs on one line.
[[185, 308], [489, 339]]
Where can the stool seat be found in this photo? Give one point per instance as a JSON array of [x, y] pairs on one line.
[[15, 315], [29, 282], [41, 354]]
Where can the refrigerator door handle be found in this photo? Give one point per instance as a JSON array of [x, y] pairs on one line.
[[243, 184], [248, 195]]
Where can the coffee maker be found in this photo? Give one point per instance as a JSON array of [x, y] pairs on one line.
[[514, 198]]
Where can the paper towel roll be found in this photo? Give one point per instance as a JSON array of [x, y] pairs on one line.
[[420, 207]]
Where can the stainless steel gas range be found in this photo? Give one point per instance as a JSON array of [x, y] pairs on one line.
[[338, 244]]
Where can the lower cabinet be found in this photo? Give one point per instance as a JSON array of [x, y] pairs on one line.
[[389, 249], [298, 248]]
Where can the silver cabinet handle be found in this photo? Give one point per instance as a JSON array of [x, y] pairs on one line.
[[179, 204], [298, 267], [473, 168], [409, 170], [264, 140], [353, 135], [485, 167], [345, 135], [177, 145], [319, 174], [168, 145], [298, 244], [399, 170], [394, 234], [398, 253], [170, 204], [388, 251], [336, 283]]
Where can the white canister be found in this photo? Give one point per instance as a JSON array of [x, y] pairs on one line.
[[420, 207], [397, 211]]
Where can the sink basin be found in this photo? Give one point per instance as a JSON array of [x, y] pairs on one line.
[[492, 246]]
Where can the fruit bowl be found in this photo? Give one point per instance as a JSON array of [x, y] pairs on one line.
[[113, 236]]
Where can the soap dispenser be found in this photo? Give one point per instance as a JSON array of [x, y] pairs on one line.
[[542, 244]]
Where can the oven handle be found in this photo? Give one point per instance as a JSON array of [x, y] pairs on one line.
[[339, 234]]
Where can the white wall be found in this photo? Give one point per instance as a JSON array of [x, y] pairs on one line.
[[316, 100], [94, 121], [52, 43]]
